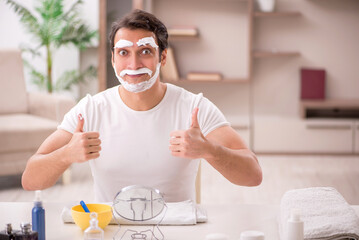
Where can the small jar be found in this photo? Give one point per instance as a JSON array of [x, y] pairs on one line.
[[8, 233], [26, 233], [252, 235]]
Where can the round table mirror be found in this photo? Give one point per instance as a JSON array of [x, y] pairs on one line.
[[138, 203]]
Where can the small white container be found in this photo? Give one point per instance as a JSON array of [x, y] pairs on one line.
[[295, 226], [266, 5], [252, 235], [93, 232]]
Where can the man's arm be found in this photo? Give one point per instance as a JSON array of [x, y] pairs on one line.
[[57, 153], [229, 155], [222, 148]]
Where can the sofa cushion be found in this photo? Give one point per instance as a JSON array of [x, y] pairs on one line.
[[13, 163], [23, 132], [13, 97]]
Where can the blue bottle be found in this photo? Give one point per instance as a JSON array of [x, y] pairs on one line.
[[38, 216]]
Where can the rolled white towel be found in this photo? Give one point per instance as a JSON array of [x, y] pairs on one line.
[[324, 211]]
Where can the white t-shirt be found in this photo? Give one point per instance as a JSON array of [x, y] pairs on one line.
[[135, 144]]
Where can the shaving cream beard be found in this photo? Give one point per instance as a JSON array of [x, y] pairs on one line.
[[142, 86]]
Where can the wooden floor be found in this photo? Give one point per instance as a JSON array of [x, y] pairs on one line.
[[280, 173]]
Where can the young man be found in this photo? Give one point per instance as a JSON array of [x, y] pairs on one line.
[[148, 132]]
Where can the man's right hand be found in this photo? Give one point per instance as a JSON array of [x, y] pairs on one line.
[[83, 146]]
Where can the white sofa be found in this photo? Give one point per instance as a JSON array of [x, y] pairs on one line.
[[26, 119]]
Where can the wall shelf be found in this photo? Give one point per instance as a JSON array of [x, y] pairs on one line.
[[267, 54], [277, 14], [333, 108]]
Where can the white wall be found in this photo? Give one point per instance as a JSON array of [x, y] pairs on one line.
[[215, 49], [13, 35], [222, 47]]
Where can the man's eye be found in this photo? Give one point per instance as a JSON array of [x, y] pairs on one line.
[[122, 52], [146, 51]]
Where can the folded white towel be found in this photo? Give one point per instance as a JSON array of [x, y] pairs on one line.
[[178, 213], [324, 211]]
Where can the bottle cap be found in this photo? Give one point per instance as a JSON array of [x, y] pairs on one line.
[[93, 220], [216, 236], [295, 214], [8, 228], [37, 196], [252, 235], [25, 227]]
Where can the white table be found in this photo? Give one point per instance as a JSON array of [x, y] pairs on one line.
[[227, 219]]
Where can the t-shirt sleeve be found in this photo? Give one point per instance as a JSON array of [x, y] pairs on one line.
[[70, 120], [210, 117]]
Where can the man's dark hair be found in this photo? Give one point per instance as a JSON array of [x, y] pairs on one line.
[[139, 19]]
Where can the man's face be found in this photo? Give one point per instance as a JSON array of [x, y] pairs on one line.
[[133, 50]]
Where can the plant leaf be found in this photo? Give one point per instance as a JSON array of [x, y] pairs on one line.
[[72, 9], [38, 78], [33, 51], [76, 33], [51, 12], [29, 20], [73, 77], [54, 28]]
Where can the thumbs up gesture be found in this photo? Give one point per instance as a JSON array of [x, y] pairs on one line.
[[189, 143], [83, 146], [80, 123]]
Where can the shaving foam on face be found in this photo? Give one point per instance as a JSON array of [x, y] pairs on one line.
[[147, 40], [142, 86], [136, 72], [122, 43]]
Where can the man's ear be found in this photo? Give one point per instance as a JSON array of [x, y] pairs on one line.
[[163, 57], [112, 60]]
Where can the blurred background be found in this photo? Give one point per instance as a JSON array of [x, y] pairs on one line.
[[284, 73]]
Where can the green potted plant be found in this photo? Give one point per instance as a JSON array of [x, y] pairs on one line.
[[53, 27]]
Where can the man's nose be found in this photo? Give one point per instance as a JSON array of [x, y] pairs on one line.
[[134, 62]]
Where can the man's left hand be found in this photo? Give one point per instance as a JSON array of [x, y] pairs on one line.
[[189, 143]]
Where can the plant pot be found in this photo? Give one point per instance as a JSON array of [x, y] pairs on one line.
[[266, 5]]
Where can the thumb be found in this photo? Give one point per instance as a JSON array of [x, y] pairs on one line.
[[195, 123], [80, 123]]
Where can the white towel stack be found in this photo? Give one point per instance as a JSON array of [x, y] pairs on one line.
[[324, 211]]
